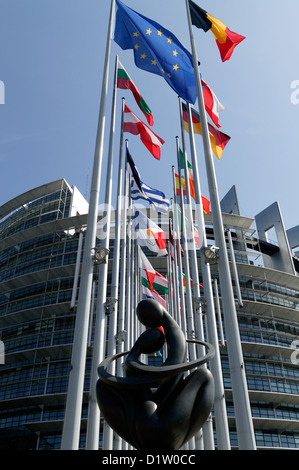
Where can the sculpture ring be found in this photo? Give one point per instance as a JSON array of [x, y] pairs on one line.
[[155, 374]]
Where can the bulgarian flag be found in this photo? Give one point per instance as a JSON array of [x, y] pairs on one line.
[[226, 40], [125, 82], [134, 125], [217, 138]]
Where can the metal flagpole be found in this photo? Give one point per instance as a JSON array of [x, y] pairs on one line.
[[177, 307], [191, 242], [186, 313], [115, 275], [218, 310], [189, 309], [243, 416], [77, 269], [132, 285], [180, 294], [234, 265], [93, 422], [128, 280], [222, 430], [169, 277], [207, 429], [128, 265], [121, 332], [72, 418]]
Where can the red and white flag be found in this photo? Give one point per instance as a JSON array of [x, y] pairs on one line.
[[134, 125], [212, 104]]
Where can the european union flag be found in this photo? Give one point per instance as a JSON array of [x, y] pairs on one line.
[[156, 50]]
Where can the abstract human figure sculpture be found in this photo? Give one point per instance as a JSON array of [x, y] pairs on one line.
[[156, 407]]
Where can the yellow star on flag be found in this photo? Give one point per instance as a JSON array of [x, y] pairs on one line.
[[134, 31]]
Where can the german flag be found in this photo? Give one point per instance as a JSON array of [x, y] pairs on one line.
[[226, 40], [218, 139]]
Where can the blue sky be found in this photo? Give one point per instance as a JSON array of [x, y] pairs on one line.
[[51, 64]]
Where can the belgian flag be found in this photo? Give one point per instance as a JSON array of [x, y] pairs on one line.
[[226, 40], [218, 139]]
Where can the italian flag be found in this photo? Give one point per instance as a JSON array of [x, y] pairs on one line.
[[125, 82], [134, 125]]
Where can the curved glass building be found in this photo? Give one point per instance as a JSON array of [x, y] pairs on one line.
[[40, 233], [41, 242]]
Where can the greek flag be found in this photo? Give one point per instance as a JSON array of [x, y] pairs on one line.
[[140, 190]]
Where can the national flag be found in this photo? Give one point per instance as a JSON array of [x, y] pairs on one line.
[[190, 173], [156, 50], [158, 354], [217, 138], [205, 201], [140, 190], [149, 234], [196, 236], [152, 294], [184, 283], [212, 104], [226, 40], [134, 125], [191, 283], [171, 240], [177, 185], [125, 82], [152, 279], [205, 205]]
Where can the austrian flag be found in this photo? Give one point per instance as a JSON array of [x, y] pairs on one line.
[[134, 125]]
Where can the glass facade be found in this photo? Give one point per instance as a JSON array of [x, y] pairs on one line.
[[37, 267], [36, 321]]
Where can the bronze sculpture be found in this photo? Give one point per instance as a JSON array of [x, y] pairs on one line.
[[157, 408]]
